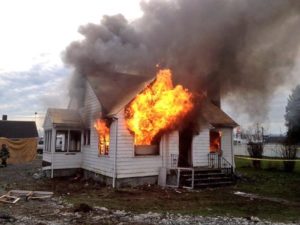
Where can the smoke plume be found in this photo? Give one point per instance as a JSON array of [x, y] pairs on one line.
[[245, 47]]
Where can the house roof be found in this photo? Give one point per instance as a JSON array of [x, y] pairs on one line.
[[64, 117], [216, 116], [115, 90], [18, 129]]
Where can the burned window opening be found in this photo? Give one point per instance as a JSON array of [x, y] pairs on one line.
[[215, 137], [102, 127], [147, 150]]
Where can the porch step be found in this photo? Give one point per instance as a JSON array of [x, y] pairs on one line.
[[215, 184], [205, 178]]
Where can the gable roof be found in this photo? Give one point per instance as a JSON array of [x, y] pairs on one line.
[[64, 117], [115, 90], [216, 116], [18, 129]]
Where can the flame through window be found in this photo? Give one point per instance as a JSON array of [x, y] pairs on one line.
[[102, 129]]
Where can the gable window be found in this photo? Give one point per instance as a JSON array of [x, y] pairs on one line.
[[87, 137], [103, 132], [68, 141]]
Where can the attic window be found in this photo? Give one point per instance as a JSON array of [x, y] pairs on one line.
[[103, 132]]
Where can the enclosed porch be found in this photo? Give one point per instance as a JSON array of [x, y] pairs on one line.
[[63, 141]]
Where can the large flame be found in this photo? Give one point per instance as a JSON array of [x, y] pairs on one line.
[[103, 136], [158, 108]]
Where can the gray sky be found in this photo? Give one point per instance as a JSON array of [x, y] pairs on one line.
[[32, 75]]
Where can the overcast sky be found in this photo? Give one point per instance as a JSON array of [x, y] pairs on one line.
[[33, 35]]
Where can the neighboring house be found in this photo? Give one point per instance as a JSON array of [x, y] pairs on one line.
[[21, 138], [72, 143]]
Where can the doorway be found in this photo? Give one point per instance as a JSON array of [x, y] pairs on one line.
[[185, 147]]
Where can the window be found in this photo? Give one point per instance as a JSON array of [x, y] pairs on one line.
[[87, 137], [48, 136], [215, 141], [61, 141], [68, 141], [144, 150], [75, 141], [102, 128]]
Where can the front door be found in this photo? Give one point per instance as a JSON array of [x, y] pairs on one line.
[[185, 147]]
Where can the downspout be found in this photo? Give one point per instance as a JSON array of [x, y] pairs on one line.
[[115, 154]]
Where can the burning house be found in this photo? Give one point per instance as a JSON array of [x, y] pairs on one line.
[[136, 133], [124, 125]]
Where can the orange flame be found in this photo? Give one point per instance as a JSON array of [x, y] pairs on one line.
[[103, 136], [158, 108], [215, 141]]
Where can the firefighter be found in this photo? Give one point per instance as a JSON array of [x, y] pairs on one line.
[[4, 155]]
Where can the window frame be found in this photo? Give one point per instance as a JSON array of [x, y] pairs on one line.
[[68, 140]]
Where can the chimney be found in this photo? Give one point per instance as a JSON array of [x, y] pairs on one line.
[[214, 93], [4, 117]]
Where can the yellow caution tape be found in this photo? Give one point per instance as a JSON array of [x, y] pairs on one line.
[[264, 159]]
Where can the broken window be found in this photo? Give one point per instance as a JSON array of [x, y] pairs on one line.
[[103, 131], [144, 150], [215, 141]]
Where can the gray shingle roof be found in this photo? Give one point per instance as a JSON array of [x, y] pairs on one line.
[[64, 117], [18, 129], [115, 90]]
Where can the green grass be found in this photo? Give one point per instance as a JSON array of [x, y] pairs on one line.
[[270, 181], [265, 165]]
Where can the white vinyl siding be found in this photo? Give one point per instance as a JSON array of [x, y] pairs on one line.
[[200, 147], [90, 158], [170, 146], [227, 144], [129, 165], [64, 160]]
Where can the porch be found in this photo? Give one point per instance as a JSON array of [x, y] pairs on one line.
[[218, 172]]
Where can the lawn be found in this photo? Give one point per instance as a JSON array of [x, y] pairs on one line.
[[220, 201], [212, 202], [271, 180]]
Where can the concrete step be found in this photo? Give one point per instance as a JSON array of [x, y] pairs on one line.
[[215, 184], [209, 179]]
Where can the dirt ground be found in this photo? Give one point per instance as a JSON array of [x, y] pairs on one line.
[[79, 201]]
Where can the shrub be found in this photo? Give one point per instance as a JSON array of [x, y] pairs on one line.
[[289, 151], [255, 150]]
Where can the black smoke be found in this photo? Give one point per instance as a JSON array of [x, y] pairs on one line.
[[245, 47]]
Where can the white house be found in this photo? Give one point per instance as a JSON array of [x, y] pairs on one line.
[[72, 142]]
